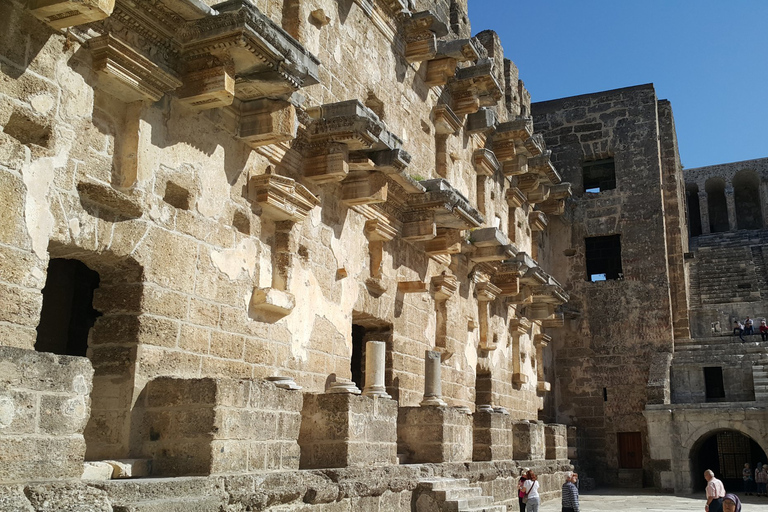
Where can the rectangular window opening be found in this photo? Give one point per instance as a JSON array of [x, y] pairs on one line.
[[603, 255], [713, 383], [599, 175]]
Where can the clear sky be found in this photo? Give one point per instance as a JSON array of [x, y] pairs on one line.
[[708, 57]]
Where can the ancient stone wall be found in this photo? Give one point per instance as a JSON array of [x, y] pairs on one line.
[[603, 354]]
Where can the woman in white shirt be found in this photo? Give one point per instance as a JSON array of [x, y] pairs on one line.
[[532, 492]]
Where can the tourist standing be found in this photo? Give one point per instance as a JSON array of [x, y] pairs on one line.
[[761, 478], [746, 475], [715, 492], [532, 492], [521, 489], [570, 493]]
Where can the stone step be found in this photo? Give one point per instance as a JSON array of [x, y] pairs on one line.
[[461, 505], [195, 504], [459, 493], [127, 492], [443, 484]]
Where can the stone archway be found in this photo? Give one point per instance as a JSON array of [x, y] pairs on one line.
[[717, 205], [724, 451]]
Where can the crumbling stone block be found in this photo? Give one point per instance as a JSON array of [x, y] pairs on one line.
[[493, 436], [556, 441], [528, 440]]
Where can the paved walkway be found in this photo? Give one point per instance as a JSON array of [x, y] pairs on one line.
[[625, 500]]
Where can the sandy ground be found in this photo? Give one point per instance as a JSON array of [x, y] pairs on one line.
[[625, 500]]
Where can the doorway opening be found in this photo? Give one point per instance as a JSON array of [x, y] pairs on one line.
[[366, 328]]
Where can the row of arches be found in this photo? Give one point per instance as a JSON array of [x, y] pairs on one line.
[[723, 206]]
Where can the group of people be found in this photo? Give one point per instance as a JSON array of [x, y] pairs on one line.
[[528, 492], [717, 499], [755, 483], [747, 327]]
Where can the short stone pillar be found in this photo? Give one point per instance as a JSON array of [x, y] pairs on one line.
[[433, 388], [555, 439], [528, 443], [434, 434], [341, 430], [573, 450], [493, 436], [375, 367]]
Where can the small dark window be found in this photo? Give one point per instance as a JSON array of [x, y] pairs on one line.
[[357, 364], [599, 175], [605, 394], [713, 383], [603, 258]]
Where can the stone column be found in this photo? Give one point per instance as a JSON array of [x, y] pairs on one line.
[[432, 385], [730, 201], [375, 354], [704, 212]]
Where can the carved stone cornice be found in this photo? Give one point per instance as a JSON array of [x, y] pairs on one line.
[[444, 286], [450, 209], [515, 197], [509, 138], [527, 182], [379, 230], [519, 326], [486, 291], [537, 220], [507, 277], [364, 187], [59, 14], [446, 242], [538, 194], [445, 120], [129, 75], [281, 198], [542, 165], [549, 294], [560, 191], [482, 121]]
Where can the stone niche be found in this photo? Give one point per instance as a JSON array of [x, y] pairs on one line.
[[493, 436], [434, 434], [44, 407], [210, 426], [556, 441], [341, 430], [529, 440]]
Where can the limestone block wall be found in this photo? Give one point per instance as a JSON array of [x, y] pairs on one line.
[[603, 353], [44, 406], [208, 426]]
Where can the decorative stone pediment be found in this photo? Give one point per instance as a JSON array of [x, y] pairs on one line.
[[474, 87], [59, 14], [446, 206], [485, 162], [281, 198]]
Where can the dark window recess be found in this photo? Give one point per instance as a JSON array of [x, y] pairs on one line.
[[605, 394], [599, 175], [357, 363], [713, 383], [603, 258], [67, 313]]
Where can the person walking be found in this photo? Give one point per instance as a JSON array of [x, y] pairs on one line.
[[532, 492], [570, 493], [715, 492], [738, 328]]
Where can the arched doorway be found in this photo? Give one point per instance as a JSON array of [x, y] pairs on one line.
[[724, 452], [718, 208], [694, 212], [746, 195]]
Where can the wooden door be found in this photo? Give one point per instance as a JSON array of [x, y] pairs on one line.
[[630, 450]]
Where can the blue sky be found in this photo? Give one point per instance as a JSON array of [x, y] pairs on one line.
[[709, 58]]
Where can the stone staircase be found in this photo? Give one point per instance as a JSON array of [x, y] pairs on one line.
[[184, 494], [721, 275], [760, 380], [453, 495]]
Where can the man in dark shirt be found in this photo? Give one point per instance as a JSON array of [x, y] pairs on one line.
[[570, 493]]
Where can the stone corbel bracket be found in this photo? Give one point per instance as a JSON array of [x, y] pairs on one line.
[[445, 120], [485, 162], [515, 143], [474, 87], [348, 136], [542, 164], [424, 34], [485, 292], [482, 121], [537, 220], [268, 62], [490, 245], [518, 327], [440, 206], [281, 198], [555, 203], [286, 202]]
